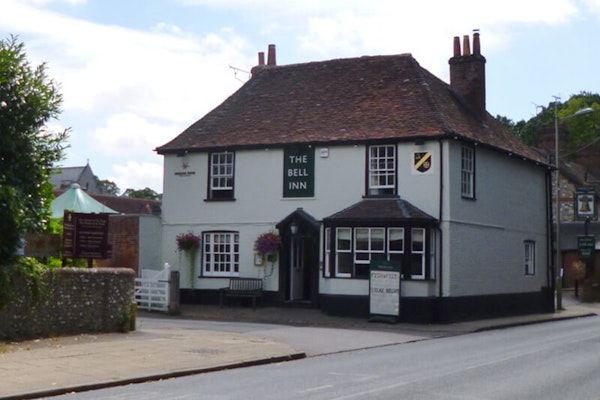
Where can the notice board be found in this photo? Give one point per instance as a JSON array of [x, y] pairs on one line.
[[384, 289], [85, 235]]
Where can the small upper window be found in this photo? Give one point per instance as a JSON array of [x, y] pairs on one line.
[[529, 257], [467, 179], [382, 170], [220, 179]]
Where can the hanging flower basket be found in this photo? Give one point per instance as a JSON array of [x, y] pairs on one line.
[[189, 244], [267, 243]]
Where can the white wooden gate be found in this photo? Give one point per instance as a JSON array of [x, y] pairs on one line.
[[151, 291]]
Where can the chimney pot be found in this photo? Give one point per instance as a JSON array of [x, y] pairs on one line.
[[476, 45], [261, 58], [466, 46], [271, 59], [456, 46]]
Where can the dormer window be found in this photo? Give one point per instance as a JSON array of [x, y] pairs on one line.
[[381, 166]]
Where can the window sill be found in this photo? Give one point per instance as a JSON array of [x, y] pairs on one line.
[[219, 200]]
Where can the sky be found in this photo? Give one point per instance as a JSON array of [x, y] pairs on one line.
[[135, 73]]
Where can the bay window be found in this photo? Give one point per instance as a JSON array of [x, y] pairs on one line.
[[355, 247]]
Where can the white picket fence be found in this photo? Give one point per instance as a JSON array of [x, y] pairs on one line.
[[151, 291]]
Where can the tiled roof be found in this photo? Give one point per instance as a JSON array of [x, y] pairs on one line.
[[382, 210], [343, 100], [127, 205], [66, 174]]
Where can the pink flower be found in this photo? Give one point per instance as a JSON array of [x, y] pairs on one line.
[[187, 241], [267, 242]]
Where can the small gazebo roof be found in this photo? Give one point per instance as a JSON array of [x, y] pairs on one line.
[[75, 199]]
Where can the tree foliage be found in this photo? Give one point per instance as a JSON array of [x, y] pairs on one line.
[[145, 193], [582, 131], [109, 187], [28, 100]]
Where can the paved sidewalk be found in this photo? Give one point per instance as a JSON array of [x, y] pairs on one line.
[[165, 346]]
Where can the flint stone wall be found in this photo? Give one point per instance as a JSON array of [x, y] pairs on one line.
[[73, 301]]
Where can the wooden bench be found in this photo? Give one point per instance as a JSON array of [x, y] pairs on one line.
[[242, 287]]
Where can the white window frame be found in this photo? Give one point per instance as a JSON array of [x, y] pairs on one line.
[[529, 246], [344, 251], [391, 252], [421, 252], [327, 255], [369, 251], [467, 172], [221, 174], [382, 167], [221, 254]]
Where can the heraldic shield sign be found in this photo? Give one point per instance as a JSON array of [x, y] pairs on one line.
[[422, 161]]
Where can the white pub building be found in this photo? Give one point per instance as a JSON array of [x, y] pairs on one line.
[[355, 161]]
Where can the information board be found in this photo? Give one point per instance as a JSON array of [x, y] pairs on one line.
[[85, 235], [384, 288]]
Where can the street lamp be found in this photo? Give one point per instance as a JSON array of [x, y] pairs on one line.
[[557, 262]]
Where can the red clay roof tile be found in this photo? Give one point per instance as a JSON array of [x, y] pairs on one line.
[[374, 98]]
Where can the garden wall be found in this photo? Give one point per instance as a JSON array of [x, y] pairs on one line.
[[72, 301]]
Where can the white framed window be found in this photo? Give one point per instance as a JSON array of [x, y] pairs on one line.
[[417, 253], [467, 168], [343, 253], [356, 247], [382, 170], [395, 244], [327, 255], [369, 244], [221, 175], [529, 257], [221, 254]]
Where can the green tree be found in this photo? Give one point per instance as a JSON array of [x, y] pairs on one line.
[[109, 187], [145, 193], [582, 131], [28, 99]]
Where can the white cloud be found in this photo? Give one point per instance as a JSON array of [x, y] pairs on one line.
[[163, 73], [593, 7], [127, 135], [136, 175]]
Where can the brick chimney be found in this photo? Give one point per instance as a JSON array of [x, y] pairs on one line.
[[467, 74], [271, 59]]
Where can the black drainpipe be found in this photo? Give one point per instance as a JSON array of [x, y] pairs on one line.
[[441, 253], [551, 271]]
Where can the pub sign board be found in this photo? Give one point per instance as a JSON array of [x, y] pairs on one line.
[[384, 289], [85, 235], [586, 246], [585, 203], [299, 171]]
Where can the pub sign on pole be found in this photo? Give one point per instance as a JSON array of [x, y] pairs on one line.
[[586, 246], [585, 203]]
